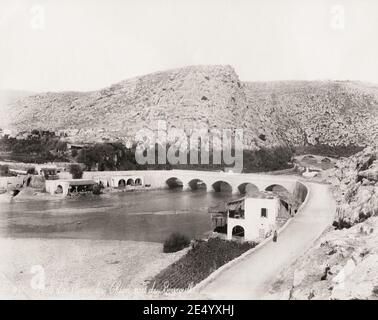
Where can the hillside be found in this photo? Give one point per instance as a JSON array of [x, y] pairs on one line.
[[191, 97], [271, 113], [312, 112], [7, 97], [342, 264]]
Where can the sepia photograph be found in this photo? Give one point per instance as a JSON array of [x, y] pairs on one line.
[[172, 150]]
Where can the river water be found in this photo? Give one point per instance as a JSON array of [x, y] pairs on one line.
[[140, 216]]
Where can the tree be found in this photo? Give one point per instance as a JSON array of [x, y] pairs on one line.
[[175, 242], [4, 170], [74, 153], [76, 171], [31, 170]]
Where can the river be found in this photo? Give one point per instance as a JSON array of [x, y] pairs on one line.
[[139, 216]]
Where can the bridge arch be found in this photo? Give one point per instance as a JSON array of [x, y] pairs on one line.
[[197, 184], [222, 186], [277, 188], [307, 157], [130, 182], [174, 183], [248, 188]]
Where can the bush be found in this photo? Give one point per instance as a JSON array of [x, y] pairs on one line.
[[341, 224], [37, 148], [198, 263], [4, 170], [175, 242], [31, 171], [76, 171], [74, 153], [96, 189]]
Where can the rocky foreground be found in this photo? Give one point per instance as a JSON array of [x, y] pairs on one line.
[[343, 263]]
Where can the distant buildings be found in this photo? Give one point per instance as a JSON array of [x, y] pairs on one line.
[[48, 171], [69, 186]]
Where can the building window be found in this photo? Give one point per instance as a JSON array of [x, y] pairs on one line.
[[264, 213]]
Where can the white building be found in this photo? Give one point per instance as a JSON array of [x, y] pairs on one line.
[[65, 187], [254, 217]]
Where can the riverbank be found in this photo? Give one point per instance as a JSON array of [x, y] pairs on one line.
[[78, 268]]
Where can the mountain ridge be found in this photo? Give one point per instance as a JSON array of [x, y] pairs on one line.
[[270, 113]]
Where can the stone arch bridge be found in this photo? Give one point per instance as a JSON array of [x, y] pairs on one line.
[[214, 181]]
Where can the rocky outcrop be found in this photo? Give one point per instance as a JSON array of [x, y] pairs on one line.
[[343, 263], [355, 187]]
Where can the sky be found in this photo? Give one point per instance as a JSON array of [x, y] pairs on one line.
[[58, 45]]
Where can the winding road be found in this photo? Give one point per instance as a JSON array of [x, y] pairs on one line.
[[252, 277]]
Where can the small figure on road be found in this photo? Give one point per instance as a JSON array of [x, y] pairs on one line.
[[275, 236]]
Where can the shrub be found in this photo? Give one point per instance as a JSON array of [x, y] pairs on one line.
[[76, 171], [4, 170], [175, 242], [341, 224], [31, 171], [198, 263], [37, 148], [74, 153], [96, 189]]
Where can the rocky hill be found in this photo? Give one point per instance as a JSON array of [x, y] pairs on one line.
[[312, 112], [342, 264], [271, 113], [355, 187], [8, 97], [191, 97]]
